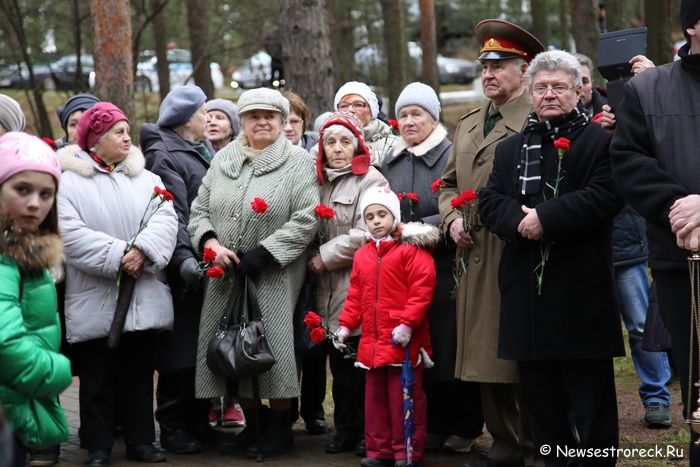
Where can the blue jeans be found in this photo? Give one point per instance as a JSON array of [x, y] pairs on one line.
[[652, 368]]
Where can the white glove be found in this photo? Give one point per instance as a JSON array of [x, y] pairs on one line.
[[401, 335], [342, 335]]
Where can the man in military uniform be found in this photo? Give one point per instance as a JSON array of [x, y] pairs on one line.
[[506, 50]]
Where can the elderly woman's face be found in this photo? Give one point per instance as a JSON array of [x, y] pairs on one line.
[[356, 105], [415, 124], [114, 145], [339, 150], [219, 127], [294, 127], [554, 94], [261, 127]]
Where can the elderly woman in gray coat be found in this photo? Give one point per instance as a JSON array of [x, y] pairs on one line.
[[255, 209], [104, 193], [454, 419]]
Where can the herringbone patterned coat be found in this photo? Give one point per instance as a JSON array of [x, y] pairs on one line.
[[283, 175]]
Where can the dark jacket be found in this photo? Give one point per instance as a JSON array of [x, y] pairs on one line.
[[576, 314], [629, 238], [655, 150], [181, 168], [407, 172]]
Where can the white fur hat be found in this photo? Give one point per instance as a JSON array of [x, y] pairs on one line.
[[362, 90], [385, 197]]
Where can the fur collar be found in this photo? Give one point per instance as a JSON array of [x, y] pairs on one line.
[[74, 159], [32, 252], [419, 234], [434, 138]]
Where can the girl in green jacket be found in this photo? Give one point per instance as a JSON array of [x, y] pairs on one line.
[[32, 372]]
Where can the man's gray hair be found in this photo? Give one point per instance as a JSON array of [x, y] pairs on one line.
[[584, 60], [554, 60]]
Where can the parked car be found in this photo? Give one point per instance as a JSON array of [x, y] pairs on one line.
[[59, 74], [180, 64], [255, 72], [371, 66]]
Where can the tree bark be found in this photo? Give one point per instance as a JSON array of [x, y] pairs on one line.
[[306, 53], [617, 15], [111, 24], [198, 26], [342, 40], [564, 24], [161, 46], [428, 42], [584, 25], [396, 50], [659, 19], [540, 25]]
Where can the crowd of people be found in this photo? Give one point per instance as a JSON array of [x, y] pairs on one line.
[[509, 314]]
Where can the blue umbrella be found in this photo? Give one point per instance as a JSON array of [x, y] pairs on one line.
[[407, 406]]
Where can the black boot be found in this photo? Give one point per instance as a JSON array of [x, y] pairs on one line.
[[277, 436], [243, 440]]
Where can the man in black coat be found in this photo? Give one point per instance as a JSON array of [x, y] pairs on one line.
[[176, 150], [559, 320], [656, 166]]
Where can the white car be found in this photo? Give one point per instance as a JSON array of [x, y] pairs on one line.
[[255, 72], [180, 64]]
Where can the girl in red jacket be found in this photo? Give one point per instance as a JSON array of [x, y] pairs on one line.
[[391, 287]]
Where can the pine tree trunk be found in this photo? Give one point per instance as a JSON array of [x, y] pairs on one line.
[[584, 25], [564, 24], [111, 24], [429, 44], [658, 14], [342, 42], [161, 48], [198, 26], [396, 53], [617, 15], [306, 50], [540, 25]]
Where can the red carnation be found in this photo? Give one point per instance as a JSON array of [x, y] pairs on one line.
[[317, 335], [562, 143], [394, 124], [215, 272], [412, 196], [400, 196], [465, 198], [435, 186], [167, 196], [259, 205], [312, 320], [209, 255], [324, 212]]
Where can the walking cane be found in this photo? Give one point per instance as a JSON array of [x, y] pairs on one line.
[[694, 270]]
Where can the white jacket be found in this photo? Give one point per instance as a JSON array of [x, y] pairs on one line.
[[99, 213]]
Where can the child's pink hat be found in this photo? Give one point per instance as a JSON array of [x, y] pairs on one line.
[[20, 152]]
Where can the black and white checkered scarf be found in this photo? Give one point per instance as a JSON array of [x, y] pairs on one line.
[[530, 165]]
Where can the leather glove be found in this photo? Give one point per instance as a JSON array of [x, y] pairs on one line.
[[255, 261], [342, 335], [189, 271], [401, 335]]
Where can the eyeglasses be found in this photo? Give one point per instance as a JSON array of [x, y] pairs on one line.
[[559, 89], [355, 105], [295, 121]]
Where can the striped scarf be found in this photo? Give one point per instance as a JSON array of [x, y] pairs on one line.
[[530, 165]]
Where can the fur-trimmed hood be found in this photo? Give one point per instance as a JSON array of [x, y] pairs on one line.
[[419, 234], [32, 252], [74, 159]]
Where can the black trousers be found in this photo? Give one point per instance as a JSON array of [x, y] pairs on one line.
[[571, 403], [112, 380], [454, 408], [177, 407], [312, 364], [348, 393], [673, 292]]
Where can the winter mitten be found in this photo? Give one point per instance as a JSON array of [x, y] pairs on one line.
[[401, 335], [189, 271], [255, 261], [342, 335]]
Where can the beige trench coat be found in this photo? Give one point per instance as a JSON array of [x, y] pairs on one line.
[[478, 298]]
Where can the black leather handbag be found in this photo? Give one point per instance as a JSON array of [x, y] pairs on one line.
[[239, 347]]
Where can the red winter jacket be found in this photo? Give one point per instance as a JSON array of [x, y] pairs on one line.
[[392, 284]]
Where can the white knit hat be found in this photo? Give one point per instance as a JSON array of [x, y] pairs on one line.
[[362, 90], [421, 95], [385, 197]]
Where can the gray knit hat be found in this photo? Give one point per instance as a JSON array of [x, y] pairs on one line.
[[230, 109], [11, 115], [73, 104], [421, 95], [179, 106], [263, 99]]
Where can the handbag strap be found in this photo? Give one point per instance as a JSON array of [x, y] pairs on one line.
[[231, 313], [252, 304]]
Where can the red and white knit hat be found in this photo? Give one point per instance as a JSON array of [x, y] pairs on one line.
[[360, 162]]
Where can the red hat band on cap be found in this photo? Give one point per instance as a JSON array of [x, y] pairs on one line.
[[502, 44]]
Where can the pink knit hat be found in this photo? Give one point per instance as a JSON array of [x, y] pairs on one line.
[[361, 160], [20, 152], [95, 122]]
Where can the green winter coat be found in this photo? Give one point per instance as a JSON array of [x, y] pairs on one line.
[[33, 372], [284, 176]]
